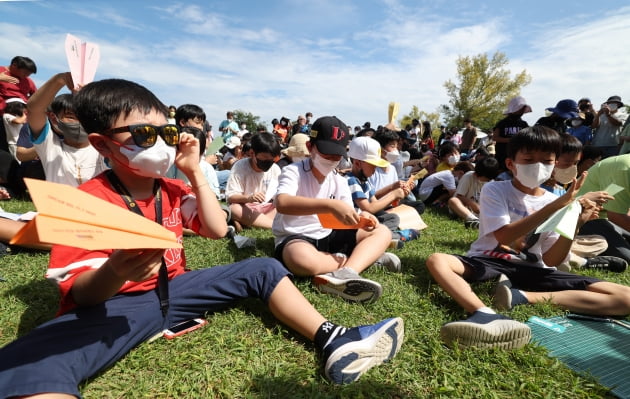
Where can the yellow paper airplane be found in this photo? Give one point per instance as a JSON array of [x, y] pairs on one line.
[[69, 216]]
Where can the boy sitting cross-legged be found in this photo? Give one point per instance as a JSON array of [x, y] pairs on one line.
[[113, 300], [523, 262], [334, 257]]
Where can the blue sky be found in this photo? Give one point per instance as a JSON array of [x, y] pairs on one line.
[[345, 58]]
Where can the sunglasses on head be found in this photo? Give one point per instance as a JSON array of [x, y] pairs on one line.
[[145, 135]]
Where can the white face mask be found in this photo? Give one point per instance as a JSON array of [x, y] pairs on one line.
[[150, 162], [323, 165], [566, 175], [453, 159], [392, 156], [576, 122], [612, 106], [533, 175]]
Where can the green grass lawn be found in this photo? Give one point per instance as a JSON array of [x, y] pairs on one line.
[[244, 353]]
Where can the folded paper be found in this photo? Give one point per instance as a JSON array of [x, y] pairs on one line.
[[83, 59], [329, 221], [69, 216]]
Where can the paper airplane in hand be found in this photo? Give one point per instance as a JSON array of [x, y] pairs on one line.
[[69, 216], [83, 59]]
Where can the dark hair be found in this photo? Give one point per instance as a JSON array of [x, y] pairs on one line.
[[446, 148], [187, 112], [463, 166], [265, 143], [488, 168], [535, 138], [246, 137], [24, 63], [62, 103], [590, 152], [386, 136], [229, 114], [100, 103], [15, 108], [570, 144], [199, 135]]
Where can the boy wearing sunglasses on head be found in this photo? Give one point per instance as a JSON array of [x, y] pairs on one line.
[[113, 300], [66, 154]]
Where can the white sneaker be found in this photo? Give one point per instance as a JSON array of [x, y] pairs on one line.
[[347, 284], [390, 262]]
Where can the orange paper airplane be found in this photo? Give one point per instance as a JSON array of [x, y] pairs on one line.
[[69, 216], [329, 221]]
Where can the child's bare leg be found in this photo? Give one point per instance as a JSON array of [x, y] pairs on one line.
[[458, 208], [303, 259], [290, 307], [601, 298], [447, 270], [370, 246]]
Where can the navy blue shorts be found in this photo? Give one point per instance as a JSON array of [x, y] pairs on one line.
[[59, 354], [523, 277], [338, 241]]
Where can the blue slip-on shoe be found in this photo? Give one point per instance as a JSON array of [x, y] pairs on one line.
[[484, 330], [359, 349]]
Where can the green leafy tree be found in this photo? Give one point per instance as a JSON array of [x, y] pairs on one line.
[[250, 120], [482, 90]]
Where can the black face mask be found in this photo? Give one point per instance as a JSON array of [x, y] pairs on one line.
[[264, 165]]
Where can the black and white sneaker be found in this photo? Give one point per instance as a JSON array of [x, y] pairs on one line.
[[612, 263]]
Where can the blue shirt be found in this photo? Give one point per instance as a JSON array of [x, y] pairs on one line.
[[358, 189]]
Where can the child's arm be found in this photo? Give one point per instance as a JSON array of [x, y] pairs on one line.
[[559, 250], [399, 184], [300, 206], [468, 203], [211, 215], [95, 286], [374, 204], [38, 103], [512, 232]]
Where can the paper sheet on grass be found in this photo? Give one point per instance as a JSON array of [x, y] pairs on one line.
[[69, 216], [409, 218]]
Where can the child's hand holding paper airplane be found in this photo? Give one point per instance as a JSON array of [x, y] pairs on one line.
[[83, 60]]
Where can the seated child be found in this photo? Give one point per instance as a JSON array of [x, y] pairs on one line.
[[465, 202], [253, 182], [437, 188], [207, 169], [523, 262], [365, 154], [334, 257], [113, 300], [448, 156]]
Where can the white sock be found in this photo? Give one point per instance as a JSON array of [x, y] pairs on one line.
[[472, 217], [487, 310]]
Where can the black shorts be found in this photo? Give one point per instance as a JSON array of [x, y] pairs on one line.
[[528, 278], [338, 241]]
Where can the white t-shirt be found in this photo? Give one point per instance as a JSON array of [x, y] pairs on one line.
[[470, 186], [12, 131], [444, 178], [65, 164], [298, 180], [383, 177], [245, 180], [501, 204]]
